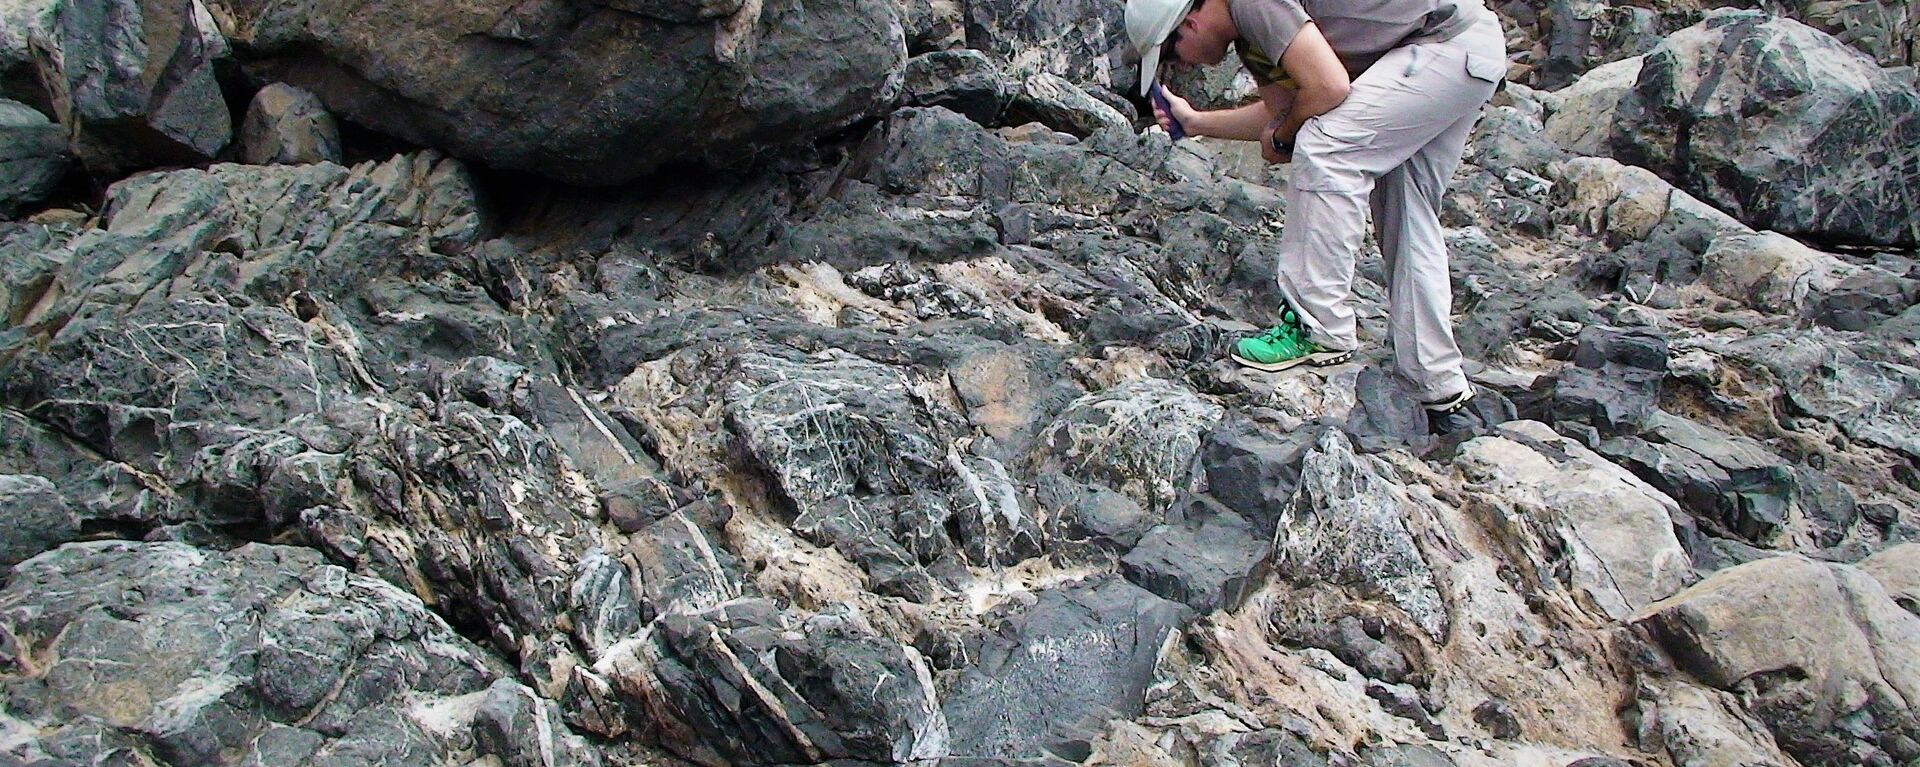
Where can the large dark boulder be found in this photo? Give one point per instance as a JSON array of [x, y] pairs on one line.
[[590, 93], [746, 683], [1781, 125], [131, 80]]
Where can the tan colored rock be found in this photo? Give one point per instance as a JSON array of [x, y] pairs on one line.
[[1770, 272], [1814, 649], [1617, 530], [1898, 571], [1611, 198], [288, 126]]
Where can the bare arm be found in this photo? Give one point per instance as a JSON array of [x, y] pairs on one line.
[[1322, 84], [1243, 122]]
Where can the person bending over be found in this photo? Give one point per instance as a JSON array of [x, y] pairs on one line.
[[1372, 102]]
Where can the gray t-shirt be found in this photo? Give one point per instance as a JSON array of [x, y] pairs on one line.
[[1360, 31]]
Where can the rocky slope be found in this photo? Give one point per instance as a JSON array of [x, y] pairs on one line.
[[910, 442]]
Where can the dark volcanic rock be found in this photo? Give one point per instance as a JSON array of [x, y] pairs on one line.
[[591, 93], [33, 156], [164, 654], [1210, 561], [286, 125], [965, 81], [1614, 381], [1733, 483], [1053, 676], [1781, 125], [1080, 40], [1254, 471], [1348, 526]]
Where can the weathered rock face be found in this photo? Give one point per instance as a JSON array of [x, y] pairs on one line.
[[1835, 684], [165, 654], [288, 126], [596, 93], [1349, 526], [1883, 29], [132, 82], [1781, 125], [33, 156]]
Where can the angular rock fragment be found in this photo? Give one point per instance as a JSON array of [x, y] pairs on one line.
[[288, 126], [132, 81], [1732, 482], [965, 81], [34, 517], [1614, 381], [1347, 526], [746, 683], [1209, 562]]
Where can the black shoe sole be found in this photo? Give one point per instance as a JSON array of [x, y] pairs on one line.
[[1312, 360]]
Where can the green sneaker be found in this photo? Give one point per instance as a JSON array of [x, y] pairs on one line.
[[1283, 346]]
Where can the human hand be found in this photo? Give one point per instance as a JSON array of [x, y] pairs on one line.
[[1174, 114], [1267, 151]]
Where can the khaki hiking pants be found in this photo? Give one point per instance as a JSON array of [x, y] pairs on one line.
[[1389, 149]]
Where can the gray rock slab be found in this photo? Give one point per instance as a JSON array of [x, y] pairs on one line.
[[747, 683], [163, 653], [593, 94], [34, 517], [1053, 675]]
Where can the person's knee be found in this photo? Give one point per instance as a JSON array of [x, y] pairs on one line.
[[1326, 156]]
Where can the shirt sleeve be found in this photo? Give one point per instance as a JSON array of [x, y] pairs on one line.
[[1268, 27]]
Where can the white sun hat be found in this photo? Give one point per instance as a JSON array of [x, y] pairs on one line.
[[1149, 22]]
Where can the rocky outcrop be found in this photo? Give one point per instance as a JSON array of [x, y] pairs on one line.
[[597, 93], [1780, 125], [288, 126], [132, 82], [1074, 39], [161, 653]]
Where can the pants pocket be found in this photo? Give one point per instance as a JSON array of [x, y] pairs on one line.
[[1486, 68], [1342, 134]]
